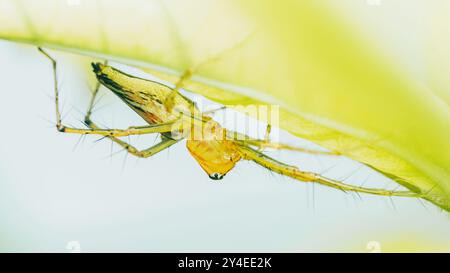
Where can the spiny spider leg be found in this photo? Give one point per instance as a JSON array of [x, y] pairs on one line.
[[262, 144], [162, 145], [267, 134], [212, 111], [169, 103], [93, 98], [293, 172], [158, 128]]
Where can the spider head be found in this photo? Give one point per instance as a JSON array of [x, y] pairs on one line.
[[217, 158], [216, 176]]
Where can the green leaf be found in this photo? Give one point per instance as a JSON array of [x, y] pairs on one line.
[[336, 85]]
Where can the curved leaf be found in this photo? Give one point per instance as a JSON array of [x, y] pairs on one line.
[[335, 85]]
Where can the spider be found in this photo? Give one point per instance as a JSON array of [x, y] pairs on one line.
[[176, 117]]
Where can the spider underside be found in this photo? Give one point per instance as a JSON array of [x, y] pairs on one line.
[[176, 117]]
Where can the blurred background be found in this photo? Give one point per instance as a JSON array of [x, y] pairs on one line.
[[60, 194]]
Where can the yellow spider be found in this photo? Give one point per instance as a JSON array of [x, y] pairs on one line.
[[176, 117]]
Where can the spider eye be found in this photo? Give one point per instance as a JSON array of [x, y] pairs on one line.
[[216, 176]]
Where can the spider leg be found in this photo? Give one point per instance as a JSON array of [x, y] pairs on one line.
[[266, 138], [212, 111], [157, 128], [262, 144], [151, 129], [93, 98], [293, 172], [169, 103], [165, 143], [267, 134]]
